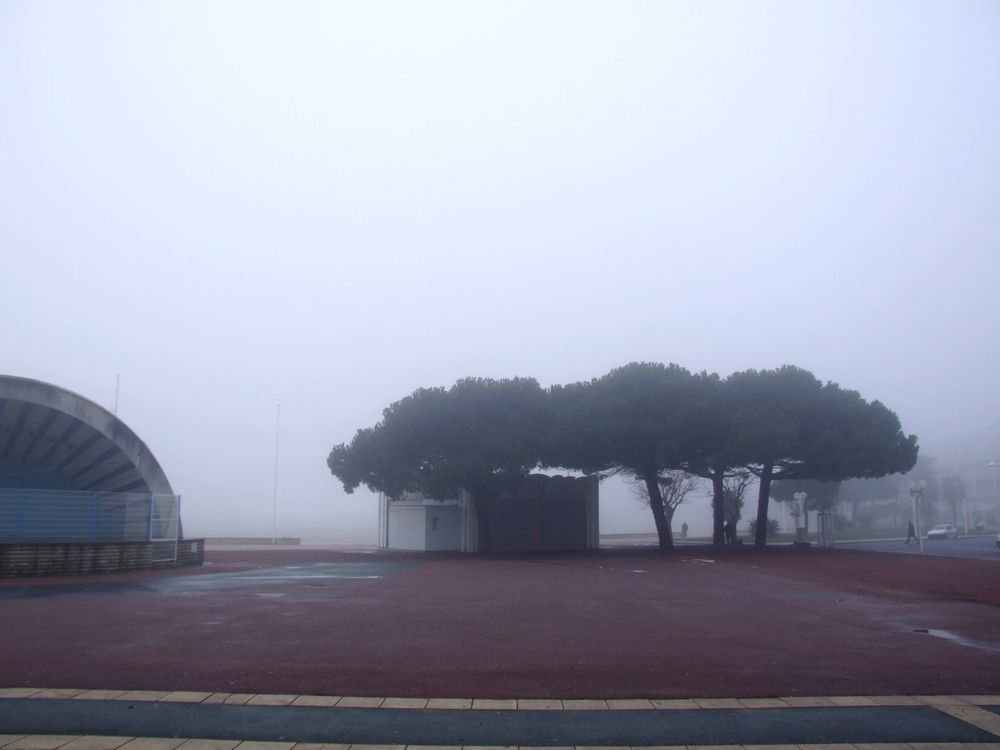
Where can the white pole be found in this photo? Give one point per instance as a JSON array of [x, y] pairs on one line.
[[917, 493], [996, 487], [274, 515]]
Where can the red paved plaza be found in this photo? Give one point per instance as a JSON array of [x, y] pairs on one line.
[[612, 624]]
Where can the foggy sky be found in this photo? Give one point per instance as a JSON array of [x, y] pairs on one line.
[[233, 205]]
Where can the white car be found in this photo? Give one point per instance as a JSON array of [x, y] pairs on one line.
[[943, 531]]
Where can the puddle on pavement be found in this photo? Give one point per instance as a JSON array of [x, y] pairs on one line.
[[316, 574], [958, 640]]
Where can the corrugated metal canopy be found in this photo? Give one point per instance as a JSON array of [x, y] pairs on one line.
[[56, 439]]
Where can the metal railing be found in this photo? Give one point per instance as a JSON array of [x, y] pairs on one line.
[[67, 516]]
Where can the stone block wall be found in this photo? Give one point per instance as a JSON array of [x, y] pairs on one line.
[[78, 558], [72, 558]]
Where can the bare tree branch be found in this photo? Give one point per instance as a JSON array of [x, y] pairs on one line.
[[675, 486]]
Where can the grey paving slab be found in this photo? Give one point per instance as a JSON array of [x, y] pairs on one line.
[[799, 726], [39, 742], [153, 743], [404, 703], [976, 716], [450, 703], [209, 745], [271, 700], [322, 701], [96, 743], [186, 696]]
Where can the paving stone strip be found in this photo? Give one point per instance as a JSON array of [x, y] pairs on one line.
[[99, 742], [494, 704]]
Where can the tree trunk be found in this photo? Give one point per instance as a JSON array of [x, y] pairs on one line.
[[763, 498], [718, 510], [659, 516]]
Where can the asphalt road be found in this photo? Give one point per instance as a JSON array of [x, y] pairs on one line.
[[982, 547]]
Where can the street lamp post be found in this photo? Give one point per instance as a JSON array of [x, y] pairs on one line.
[[917, 494], [996, 488], [274, 507]]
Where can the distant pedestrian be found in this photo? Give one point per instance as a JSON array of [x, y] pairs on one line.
[[729, 531], [684, 530], [911, 533]]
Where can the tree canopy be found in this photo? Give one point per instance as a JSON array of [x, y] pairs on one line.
[[792, 426], [644, 419], [640, 419], [477, 435]]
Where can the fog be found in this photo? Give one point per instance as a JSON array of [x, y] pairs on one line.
[[231, 206]]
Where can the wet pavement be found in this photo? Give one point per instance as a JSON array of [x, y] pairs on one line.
[[206, 582], [981, 547], [607, 625], [607, 649]]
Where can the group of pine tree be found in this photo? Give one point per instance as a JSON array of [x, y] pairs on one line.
[[645, 420]]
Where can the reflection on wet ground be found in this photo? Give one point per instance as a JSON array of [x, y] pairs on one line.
[[982, 546], [203, 582], [957, 639]]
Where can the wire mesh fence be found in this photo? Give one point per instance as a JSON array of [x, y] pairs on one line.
[[62, 516]]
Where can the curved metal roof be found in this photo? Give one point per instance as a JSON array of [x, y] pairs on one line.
[[49, 433]]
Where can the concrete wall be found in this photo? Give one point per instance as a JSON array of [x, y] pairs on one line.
[[441, 531], [417, 523], [407, 526]]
